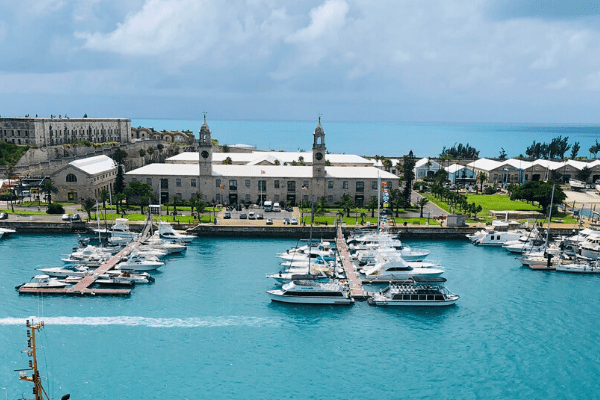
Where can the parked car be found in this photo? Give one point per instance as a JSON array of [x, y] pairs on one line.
[[3, 215], [227, 215], [286, 221], [251, 215], [269, 221], [259, 216], [66, 217], [75, 217], [294, 221], [243, 216], [289, 209]]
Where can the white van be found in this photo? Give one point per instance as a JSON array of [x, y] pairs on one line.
[[268, 206], [276, 207]]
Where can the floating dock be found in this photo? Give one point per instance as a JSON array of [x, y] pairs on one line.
[[356, 288], [83, 287]]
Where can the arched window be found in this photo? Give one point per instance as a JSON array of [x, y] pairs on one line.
[[71, 178]]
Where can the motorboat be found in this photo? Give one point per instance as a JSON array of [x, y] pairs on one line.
[[107, 280], [321, 250], [418, 291], [576, 185], [121, 229], [499, 233], [66, 270], [160, 244], [91, 262], [92, 251], [6, 232], [313, 292], [43, 281], [139, 263], [584, 267], [590, 248], [407, 253], [166, 231], [543, 260], [284, 276], [140, 277], [393, 268]]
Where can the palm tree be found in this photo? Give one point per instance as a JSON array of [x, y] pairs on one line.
[[347, 204], [175, 198], [49, 188], [482, 178], [119, 197], [422, 203], [88, 205], [372, 205]]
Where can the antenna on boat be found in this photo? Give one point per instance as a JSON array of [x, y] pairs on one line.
[[38, 389]]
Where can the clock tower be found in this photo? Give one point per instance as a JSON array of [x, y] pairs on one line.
[[205, 151], [319, 151]]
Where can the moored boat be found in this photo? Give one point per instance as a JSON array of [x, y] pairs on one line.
[[311, 292], [419, 291]]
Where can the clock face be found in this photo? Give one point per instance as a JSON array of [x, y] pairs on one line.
[[204, 154], [319, 156]]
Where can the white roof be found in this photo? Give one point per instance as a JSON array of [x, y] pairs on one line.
[[485, 164], [454, 167], [94, 165], [516, 163], [282, 156], [423, 162], [578, 164], [267, 171], [548, 164]]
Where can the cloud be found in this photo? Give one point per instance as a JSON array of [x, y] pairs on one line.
[[560, 84], [325, 19]]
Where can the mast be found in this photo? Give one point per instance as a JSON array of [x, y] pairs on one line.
[[38, 389], [549, 218], [378, 200]]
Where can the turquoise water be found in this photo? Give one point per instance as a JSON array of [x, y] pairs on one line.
[[392, 139], [206, 329]]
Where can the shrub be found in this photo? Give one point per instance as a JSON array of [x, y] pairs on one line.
[[55, 208], [489, 190]]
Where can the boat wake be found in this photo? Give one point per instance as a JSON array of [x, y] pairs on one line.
[[207, 322]]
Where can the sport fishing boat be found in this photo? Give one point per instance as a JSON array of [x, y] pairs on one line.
[[67, 270], [584, 267], [43, 281], [391, 268], [499, 233], [590, 248], [166, 231], [312, 292], [418, 291], [139, 263]]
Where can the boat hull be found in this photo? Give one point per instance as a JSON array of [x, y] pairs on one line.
[[279, 296]]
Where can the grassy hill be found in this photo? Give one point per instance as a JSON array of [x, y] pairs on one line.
[[11, 153]]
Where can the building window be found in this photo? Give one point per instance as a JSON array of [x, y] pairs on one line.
[[149, 181], [276, 184], [305, 197], [330, 199], [389, 185], [262, 186], [344, 184], [276, 198], [232, 185], [247, 183], [247, 198], [71, 178], [374, 185], [330, 185], [291, 186], [193, 182], [218, 183], [305, 185], [360, 186], [218, 198], [164, 183], [180, 196], [178, 182]]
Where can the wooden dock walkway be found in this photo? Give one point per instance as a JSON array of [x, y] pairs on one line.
[[82, 288], [356, 287]]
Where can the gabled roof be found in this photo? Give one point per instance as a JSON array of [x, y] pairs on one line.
[[423, 161], [485, 164], [94, 165], [454, 168], [516, 163]]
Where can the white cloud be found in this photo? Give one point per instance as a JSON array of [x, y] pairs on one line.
[[560, 84], [325, 20]]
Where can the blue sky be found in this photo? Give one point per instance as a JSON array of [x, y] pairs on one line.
[[349, 60]]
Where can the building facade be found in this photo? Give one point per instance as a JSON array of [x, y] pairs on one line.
[[289, 184], [85, 178], [55, 131]]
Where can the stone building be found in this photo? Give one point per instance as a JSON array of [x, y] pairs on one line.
[[85, 178], [255, 183], [168, 136], [55, 131]]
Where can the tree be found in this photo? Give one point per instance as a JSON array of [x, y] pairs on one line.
[[441, 175], [465, 151], [482, 178], [347, 204], [502, 155], [138, 190], [175, 199], [119, 155], [372, 205], [142, 152], [119, 197], [595, 148], [575, 150], [422, 203], [88, 205], [584, 174], [408, 176], [541, 192], [387, 164], [228, 161], [48, 188]]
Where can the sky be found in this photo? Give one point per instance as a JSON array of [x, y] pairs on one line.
[[535, 61]]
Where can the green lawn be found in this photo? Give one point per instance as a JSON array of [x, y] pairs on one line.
[[330, 220]]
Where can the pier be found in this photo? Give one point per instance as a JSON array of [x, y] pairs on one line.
[[356, 288], [83, 287]]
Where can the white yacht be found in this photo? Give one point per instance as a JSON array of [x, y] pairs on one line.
[[418, 291], [585, 267], [43, 281], [160, 244], [66, 270], [139, 263], [5, 232], [121, 229], [407, 253], [312, 292], [166, 231], [396, 268], [299, 275], [590, 248], [497, 234], [139, 277]]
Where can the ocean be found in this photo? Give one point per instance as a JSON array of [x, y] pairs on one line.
[[206, 329], [392, 139]]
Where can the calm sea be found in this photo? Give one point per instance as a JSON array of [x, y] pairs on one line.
[[206, 329], [392, 139]]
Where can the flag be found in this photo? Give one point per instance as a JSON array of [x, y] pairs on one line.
[[262, 172]]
